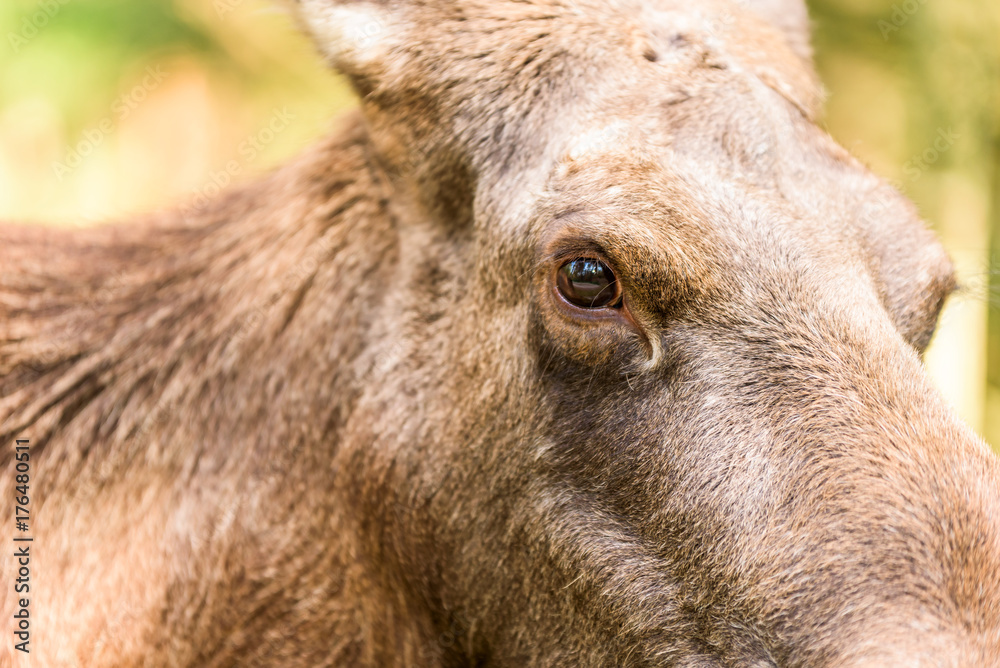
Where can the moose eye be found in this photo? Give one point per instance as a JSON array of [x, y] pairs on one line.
[[588, 283]]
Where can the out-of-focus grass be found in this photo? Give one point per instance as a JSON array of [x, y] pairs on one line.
[[162, 96], [109, 107]]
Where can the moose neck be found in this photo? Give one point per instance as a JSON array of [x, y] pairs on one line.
[[228, 345], [189, 300]]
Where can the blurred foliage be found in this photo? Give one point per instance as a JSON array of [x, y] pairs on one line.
[[109, 107], [76, 87]]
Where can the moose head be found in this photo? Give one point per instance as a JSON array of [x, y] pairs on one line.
[[663, 337], [609, 355]]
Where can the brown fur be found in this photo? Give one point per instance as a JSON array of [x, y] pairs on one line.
[[341, 418]]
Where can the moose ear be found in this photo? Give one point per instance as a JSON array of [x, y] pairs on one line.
[[789, 16], [355, 35]]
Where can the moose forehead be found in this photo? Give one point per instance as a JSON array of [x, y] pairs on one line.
[[585, 43], [736, 188], [493, 77], [728, 167], [731, 196], [725, 136], [676, 231], [718, 101]]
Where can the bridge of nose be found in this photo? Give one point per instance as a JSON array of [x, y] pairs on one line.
[[896, 493]]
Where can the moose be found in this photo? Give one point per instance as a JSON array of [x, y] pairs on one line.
[[579, 343]]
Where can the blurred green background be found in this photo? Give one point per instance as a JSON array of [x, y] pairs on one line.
[[109, 107]]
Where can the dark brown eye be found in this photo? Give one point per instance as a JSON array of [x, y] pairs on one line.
[[588, 283]]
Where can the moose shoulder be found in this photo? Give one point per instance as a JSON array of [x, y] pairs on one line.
[[580, 344]]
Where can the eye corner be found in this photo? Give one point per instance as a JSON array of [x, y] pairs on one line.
[[594, 334]]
